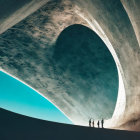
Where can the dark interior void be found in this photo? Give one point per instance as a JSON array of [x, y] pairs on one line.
[[87, 71]]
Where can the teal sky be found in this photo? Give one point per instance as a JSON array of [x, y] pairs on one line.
[[18, 97]]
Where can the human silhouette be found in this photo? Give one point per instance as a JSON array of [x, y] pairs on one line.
[[102, 122], [93, 123], [90, 123], [98, 123]]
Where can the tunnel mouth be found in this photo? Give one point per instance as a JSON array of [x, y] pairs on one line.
[[86, 64]]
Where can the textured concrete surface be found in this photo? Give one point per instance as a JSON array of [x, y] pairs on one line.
[[11, 12], [117, 24], [64, 60]]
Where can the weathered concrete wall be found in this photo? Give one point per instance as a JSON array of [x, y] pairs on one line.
[[115, 22], [132, 8], [58, 62], [118, 25], [12, 12]]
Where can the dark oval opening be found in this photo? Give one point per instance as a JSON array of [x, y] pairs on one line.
[[88, 73]]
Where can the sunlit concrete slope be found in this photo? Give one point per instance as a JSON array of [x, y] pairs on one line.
[[117, 24], [15, 127]]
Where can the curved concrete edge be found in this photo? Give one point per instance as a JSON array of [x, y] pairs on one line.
[[132, 8], [121, 100], [34, 90], [127, 73], [93, 24], [117, 27], [20, 14]]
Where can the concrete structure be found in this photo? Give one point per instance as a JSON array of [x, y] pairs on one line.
[[117, 24]]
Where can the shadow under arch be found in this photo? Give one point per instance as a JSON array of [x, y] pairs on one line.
[[88, 73]]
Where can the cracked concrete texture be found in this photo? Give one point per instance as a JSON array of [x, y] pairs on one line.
[[120, 23]]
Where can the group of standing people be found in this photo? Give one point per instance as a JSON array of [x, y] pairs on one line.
[[92, 124]]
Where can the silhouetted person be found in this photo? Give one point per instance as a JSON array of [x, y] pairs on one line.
[[102, 122], [93, 123], [98, 123], [90, 123]]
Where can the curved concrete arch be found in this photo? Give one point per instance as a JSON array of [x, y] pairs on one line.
[[111, 22], [37, 30], [124, 41], [17, 11], [121, 100], [133, 11]]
